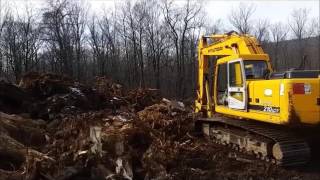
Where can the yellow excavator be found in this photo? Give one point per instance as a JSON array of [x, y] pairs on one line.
[[242, 103]]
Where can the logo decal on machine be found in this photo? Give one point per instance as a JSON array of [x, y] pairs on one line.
[[271, 109], [268, 92], [268, 109]]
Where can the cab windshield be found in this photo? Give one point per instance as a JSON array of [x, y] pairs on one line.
[[255, 69]]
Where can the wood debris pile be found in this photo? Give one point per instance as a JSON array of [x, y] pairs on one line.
[[53, 128], [65, 130]]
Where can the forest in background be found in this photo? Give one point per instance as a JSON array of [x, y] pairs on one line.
[[143, 43]]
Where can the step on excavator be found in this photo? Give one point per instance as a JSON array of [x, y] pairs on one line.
[[243, 104]]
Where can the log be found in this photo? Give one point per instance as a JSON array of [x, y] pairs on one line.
[[12, 92], [28, 132], [12, 98], [19, 139]]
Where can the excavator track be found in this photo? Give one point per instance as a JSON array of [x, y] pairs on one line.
[[270, 143]]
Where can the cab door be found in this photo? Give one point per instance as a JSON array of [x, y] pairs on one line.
[[237, 91]]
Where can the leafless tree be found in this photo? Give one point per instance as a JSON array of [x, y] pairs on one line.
[[180, 22], [30, 40], [4, 15], [241, 18], [215, 27], [57, 33], [314, 50], [298, 23], [98, 45], [314, 27], [77, 16], [11, 47], [20, 43], [140, 11], [261, 30], [131, 38], [156, 39], [278, 34]]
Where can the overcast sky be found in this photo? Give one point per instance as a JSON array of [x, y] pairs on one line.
[[274, 10]]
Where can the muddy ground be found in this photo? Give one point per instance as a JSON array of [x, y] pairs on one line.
[[54, 128]]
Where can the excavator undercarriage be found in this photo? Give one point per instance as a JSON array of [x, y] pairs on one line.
[[273, 144]]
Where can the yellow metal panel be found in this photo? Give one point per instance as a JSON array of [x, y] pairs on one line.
[[238, 74], [304, 107], [294, 108], [266, 93], [251, 114]]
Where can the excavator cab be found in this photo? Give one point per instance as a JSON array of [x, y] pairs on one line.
[[231, 78]]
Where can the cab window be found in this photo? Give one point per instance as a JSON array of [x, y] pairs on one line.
[[222, 84], [255, 69], [235, 75]]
